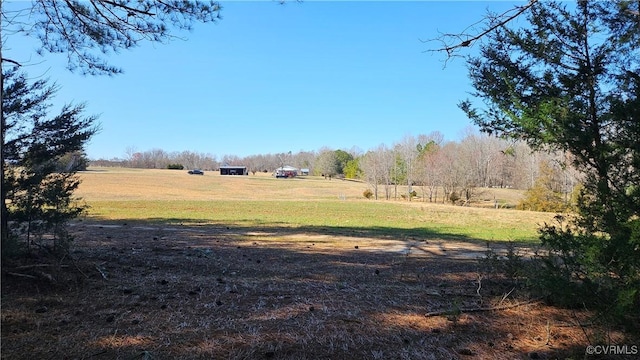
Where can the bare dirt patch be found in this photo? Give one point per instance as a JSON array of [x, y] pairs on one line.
[[144, 291]]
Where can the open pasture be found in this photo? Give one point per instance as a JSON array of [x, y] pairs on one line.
[[334, 206], [172, 266]]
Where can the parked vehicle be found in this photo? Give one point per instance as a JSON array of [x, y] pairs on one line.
[[196, 172]]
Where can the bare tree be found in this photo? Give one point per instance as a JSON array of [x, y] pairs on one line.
[[232, 160], [426, 174], [408, 152], [377, 166], [371, 168], [326, 163], [304, 159], [449, 170]]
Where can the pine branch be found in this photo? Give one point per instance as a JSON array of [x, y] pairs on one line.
[[131, 10]]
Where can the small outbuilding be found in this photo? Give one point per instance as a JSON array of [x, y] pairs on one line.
[[233, 170]]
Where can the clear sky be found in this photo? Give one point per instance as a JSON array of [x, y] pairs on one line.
[[272, 78]]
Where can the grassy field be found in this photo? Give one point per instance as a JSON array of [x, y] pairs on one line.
[[172, 266], [334, 206]]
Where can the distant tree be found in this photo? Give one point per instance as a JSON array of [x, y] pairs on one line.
[[268, 162], [188, 159], [408, 154], [427, 148], [284, 159], [449, 173], [371, 171], [570, 81], [376, 166], [398, 170], [506, 166], [326, 163], [477, 162], [158, 158], [252, 163], [342, 158], [37, 194], [304, 159], [232, 160], [114, 162], [352, 169], [387, 160]]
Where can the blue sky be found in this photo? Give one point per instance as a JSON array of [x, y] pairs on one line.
[[272, 78]]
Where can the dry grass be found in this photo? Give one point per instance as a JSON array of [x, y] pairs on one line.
[[138, 184], [242, 290], [312, 202], [143, 184]]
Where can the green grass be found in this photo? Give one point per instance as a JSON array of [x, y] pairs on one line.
[[310, 204], [364, 218]]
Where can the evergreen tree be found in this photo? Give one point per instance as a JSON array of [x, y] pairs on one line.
[[352, 169], [342, 158], [571, 81], [37, 193]]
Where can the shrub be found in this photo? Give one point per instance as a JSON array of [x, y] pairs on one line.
[[453, 197], [544, 195], [540, 198], [175, 167], [368, 194], [589, 269], [511, 265]]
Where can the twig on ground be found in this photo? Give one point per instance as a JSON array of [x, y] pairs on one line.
[[22, 275], [23, 267], [80, 270], [506, 296], [548, 332], [39, 275], [481, 309], [478, 289], [46, 276], [101, 272], [582, 327]]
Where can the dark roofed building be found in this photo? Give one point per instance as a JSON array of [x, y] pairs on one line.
[[233, 170]]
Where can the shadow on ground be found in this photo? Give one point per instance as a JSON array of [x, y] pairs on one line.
[[149, 290]]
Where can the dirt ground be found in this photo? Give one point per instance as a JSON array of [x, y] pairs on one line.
[[143, 291]]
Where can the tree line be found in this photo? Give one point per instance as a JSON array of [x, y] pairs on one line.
[[425, 164]]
